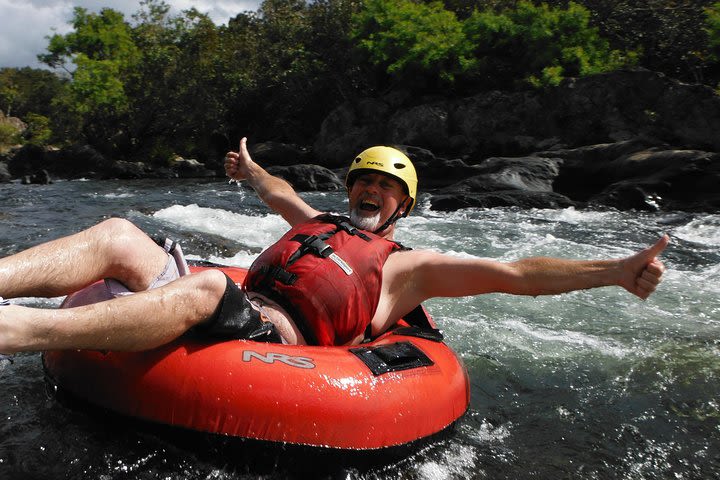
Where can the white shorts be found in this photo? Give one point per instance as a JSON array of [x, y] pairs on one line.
[[175, 268]]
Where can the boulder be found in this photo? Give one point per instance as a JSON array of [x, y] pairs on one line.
[[41, 177], [274, 153], [520, 182], [80, 159], [305, 178], [15, 122], [668, 179], [607, 108], [501, 198], [127, 170], [349, 129], [189, 168], [28, 159], [4, 173], [425, 125]]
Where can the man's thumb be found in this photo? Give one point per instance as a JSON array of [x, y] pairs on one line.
[[659, 246]]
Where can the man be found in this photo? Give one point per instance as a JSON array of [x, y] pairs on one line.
[[164, 306]]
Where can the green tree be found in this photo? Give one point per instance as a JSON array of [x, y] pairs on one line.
[[29, 90], [38, 131], [9, 135], [103, 52], [175, 98], [102, 49], [293, 62], [667, 33], [408, 39], [713, 28], [540, 44]]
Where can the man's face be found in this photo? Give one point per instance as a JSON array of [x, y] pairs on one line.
[[373, 198]]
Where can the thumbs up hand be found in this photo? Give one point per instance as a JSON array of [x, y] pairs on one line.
[[642, 272]]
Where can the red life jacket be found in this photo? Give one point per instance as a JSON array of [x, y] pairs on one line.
[[327, 275]]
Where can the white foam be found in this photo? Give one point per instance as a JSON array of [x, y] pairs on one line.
[[251, 230], [457, 462], [704, 231], [567, 338]]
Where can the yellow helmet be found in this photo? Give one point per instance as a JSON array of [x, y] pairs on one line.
[[388, 161]]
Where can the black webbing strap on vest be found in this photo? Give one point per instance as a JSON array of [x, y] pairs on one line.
[[314, 244], [278, 273]]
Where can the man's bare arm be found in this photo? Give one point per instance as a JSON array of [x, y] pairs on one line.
[[438, 275], [275, 192]]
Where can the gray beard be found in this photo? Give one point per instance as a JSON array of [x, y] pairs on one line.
[[364, 223]]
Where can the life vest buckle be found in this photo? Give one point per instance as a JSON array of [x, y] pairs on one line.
[[314, 244]]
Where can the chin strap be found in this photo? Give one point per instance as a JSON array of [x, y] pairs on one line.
[[393, 218]]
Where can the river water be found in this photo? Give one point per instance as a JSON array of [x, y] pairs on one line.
[[588, 385]]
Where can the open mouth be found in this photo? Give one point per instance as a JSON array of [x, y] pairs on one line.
[[369, 206]]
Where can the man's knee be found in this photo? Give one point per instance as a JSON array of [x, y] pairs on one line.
[[210, 284], [128, 253], [116, 230]]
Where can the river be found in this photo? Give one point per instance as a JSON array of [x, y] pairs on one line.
[[588, 385]]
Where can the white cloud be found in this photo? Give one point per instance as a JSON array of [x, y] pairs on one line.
[[24, 24]]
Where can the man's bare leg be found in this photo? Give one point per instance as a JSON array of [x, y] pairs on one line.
[[136, 322], [114, 248]]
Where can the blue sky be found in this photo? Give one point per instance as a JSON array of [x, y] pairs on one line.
[[24, 24]]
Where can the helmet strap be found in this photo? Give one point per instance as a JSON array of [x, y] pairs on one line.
[[393, 218]]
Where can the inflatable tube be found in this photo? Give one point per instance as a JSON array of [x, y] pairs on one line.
[[395, 390]]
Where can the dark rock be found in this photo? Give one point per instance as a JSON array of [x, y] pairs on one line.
[[350, 129], [308, 177], [4, 173], [606, 108], [28, 159], [127, 170], [425, 125], [666, 179], [502, 198], [41, 177], [190, 168], [80, 159], [628, 196], [280, 154], [524, 173], [439, 172], [502, 182]]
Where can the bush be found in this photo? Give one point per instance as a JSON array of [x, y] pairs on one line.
[[540, 44], [38, 131], [9, 135], [408, 38], [713, 28]]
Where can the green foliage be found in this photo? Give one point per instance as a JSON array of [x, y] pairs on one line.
[[541, 44], [407, 38], [38, 131], [102, 49], [531, 43], [667, 33], [26, 90], [9, 135], [285, 67], [713, 28]]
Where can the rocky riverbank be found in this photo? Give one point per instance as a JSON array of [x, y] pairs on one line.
[[626, 140]]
